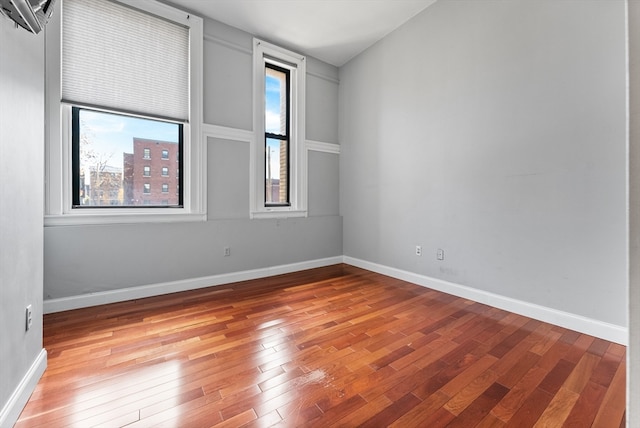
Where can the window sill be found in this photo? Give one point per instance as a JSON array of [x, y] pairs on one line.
[[130, 217], [278, 213]]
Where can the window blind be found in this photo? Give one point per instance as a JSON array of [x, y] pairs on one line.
[[121, 58]]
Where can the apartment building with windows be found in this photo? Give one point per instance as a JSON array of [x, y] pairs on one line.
[[152, 173]]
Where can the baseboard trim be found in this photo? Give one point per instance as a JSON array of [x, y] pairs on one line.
[[13, 407], [603, 330], [139, 292]]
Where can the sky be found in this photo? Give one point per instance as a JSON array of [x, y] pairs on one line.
[[272, 121]]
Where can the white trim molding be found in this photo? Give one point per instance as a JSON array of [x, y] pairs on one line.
[[319, 146], [14, 406], [226, 133], [603, 330], [140, 292]]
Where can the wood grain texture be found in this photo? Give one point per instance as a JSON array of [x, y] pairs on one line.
[[336, 346]]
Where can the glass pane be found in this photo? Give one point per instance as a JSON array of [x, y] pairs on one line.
[[276, 180], [119, 160], [276, 102]]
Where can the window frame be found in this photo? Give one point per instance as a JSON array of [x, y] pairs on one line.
[[264, 52], [58, 167], [281, 137]]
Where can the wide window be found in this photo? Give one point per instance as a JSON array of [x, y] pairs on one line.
[[279, 159], [128, 96]]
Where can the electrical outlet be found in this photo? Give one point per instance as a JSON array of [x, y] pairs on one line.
[[28, 318], [418, 250], [440, 254], [227, 251]]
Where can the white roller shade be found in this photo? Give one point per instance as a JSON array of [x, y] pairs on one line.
[[120, 58]]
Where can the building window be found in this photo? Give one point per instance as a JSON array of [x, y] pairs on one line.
[[165, 171], [279, 169], [107, 71], [165, 188]]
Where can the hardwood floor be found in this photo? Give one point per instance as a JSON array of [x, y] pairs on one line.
[[336, 346]]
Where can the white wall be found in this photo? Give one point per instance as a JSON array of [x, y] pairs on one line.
[[22, 359], [496, 131], [81, 260]]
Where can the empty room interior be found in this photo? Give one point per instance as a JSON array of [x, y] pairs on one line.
[[319, 213]]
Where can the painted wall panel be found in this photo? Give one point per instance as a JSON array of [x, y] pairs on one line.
[[147, 254], [324, 184], [228, 179]]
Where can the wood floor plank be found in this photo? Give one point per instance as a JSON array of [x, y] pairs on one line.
[[613, 403], [558, 410], [334, 346]]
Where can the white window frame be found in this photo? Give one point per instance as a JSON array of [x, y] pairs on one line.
[[264, 51], [58, 162]]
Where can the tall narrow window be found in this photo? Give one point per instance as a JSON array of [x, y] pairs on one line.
[[276, 119], [278, 161]]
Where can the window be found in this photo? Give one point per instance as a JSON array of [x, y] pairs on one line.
[[165, 171], [276, 136], [279, 160], [108, 153], [114, 66], [165, 188]]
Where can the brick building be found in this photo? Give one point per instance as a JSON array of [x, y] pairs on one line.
[[151, 173]]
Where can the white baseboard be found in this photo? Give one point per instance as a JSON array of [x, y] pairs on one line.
[[131, 293], [13, 407], [603, 330]]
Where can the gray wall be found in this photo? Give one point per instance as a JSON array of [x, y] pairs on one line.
[[633, 356], [496, 131], [85, 259], [21, 205]]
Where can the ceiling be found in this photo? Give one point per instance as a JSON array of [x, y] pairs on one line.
[[333, 31]]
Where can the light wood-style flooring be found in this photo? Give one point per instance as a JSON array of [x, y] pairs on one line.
[[335, 346]]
